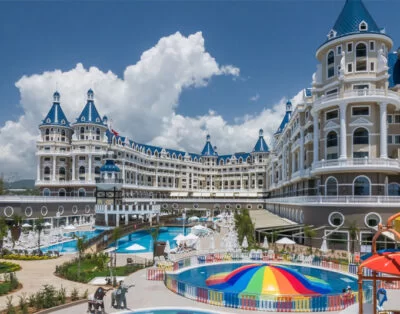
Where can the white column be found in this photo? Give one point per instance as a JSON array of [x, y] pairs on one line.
[[123, 172], [383, 126], [73, 167], [90, 167], [301, 157], [273, 173], [284, 176], [293, 170], [343, 132], [316, 139], [38, 168], [54, 168]]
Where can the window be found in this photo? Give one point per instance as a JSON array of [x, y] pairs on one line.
[[360, 136], [389, 139], [389, 118], [62, 171], [361, 54], [397, 139], [332, 156], [360, 111], [338, 50], [350, 67], [46, 170], [331, 139], [331, 64], [81, 192], [397, 118], [46, 192], [372, 67], [332, 115], [331, 186], [82, 158], [363, 26], [97, 170], [394, 189], [350, 47], [372, 46], [332, 92], [362, 186], [81, 170], [336, 219], [372, 220], [360, 154]]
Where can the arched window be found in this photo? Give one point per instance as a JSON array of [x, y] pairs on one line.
[[82, 130], [63, 135], [331, 139], [61, 171], [97, 170], [81, 170], [47, 134], [221, 162], [97, 131], [61, 192], [361, 136], [46, 170], [331, 64], [362, 186], [46, 192], [81, 192], [361, 57], [248, 160], [363, 26], [394, 189], [331, 186]]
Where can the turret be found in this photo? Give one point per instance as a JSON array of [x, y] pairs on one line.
[[285, 119]]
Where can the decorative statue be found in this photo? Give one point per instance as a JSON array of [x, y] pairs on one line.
[[381, 297], [382, 61], [342, 63]]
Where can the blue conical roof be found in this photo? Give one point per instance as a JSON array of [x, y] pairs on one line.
[[208, 149], [286, 118], [394, 68], [109, 166], [89, 113], [261, 146], [56, 115], [353, 13]]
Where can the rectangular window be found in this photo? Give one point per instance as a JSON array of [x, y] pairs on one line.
[[361, 86], [332, 91], [360, 154], [397, 118], [389, 118], [331, 71], [332, 156], [360, 111], [397, 139], [332, 115], [350, 47], [350, 67], [338, 50], [389, 139], [372, 67], [361, 65], [372, 46], [82, 158]]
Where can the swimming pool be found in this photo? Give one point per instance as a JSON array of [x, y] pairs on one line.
[[144, 239], [70, 246]]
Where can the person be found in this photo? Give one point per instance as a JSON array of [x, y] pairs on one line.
[[96, 300], [119, 296]]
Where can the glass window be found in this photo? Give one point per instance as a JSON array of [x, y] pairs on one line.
[[332, 115], [394, 189], [332, 156], [339, 50], [372, 45], [361, 136], [397, 139], [332, 91], [397, 118], [331, 139], [350, 47], [361, 186], [350, 67], [361, 53], [389, 139], [389, 118], [361, 50], [360, 154], [331, 187], [360, 111], [331, 64]]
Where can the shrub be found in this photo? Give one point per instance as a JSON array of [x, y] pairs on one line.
[[74, 294], [85, 294], [10, 306], [23, 303], [61, 295], [49, 296], [27, 257]]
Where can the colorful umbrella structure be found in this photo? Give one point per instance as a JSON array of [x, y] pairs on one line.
[[388, 263], [269, 280]]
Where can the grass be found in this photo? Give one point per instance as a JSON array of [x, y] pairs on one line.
[[8, 267]]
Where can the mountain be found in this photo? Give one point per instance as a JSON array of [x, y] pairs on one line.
[[20, 184]]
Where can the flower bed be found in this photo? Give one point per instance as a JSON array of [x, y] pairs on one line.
[[18, 257], [9, 283], [8, 267]]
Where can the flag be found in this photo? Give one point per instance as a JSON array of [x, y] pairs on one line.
[[114, 132]]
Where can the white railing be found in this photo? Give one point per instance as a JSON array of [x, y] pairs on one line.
[[45, 199], [357, 162]]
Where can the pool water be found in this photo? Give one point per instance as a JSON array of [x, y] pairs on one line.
[[144, 239], [70, 246], [197, 276]]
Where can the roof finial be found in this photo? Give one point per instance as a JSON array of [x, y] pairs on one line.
[[208, 137], [56, 97], [289, 106], [90, 94], [261, 132]]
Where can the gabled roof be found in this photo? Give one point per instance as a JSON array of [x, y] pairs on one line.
[[89, 113], [286, 118], [353, 13], [394, 69], [56, 115], [261, 146], [208, 150]]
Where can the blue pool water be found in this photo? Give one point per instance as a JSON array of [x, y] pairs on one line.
[[70, 246], [197, 276], [144, 239]]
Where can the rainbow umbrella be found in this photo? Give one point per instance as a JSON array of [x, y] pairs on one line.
[[268, 279]]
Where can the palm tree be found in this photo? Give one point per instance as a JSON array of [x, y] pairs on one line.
[[3, 231], [353, 231], [38, 227], [310, 234], [154, 232], [16, 228], [115, 236], [80, 245]]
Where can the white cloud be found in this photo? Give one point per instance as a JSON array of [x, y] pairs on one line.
[[255, 97], [142, 103]]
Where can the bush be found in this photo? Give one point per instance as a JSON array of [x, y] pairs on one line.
[[74, 294], [9, 284], [23, 303], [18, 257], [62, 295], [7, 267], [10, 306]]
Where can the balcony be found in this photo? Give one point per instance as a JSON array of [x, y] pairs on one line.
[[363, 95], [309, 138], [350, 164], [295, 145]]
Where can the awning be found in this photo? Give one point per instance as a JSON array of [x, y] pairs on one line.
[[205, 194], [174, 194], [219, 194], [196, 194], [183, 194]]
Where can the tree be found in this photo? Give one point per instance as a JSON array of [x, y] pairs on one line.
[[244, 227], [80, 245], [38, 227], [16, 227], [154, 232], [115, 236], [309, 233], [353, 231], [3, 231], [1, 185]]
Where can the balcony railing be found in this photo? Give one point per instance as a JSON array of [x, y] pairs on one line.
[[356, 163]]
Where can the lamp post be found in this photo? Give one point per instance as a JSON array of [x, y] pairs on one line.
[[183, 219]]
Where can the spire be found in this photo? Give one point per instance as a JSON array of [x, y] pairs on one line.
[[56, 115], [261, 146], [354, 18], [208, 149], [286, 118], [89, 113]]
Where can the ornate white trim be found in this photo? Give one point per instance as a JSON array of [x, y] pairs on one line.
[[331, 125], [361, 122]]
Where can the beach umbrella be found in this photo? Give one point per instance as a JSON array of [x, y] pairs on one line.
[[265, 243], [286, 241], [167, 249], [193, 218], [324, 246], [245, 244], [388, 263], [253, 279], [135, 247], [69, 227], [47, 224], [26, 225], [180, 237]]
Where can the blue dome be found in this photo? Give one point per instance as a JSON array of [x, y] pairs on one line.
[[110, 166], [56, 94]]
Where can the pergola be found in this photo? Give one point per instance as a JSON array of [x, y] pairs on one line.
[[387, 263]]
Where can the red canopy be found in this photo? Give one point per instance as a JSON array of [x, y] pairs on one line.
[[388, 263]]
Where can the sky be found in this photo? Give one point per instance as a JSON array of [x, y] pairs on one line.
[[165, 72]]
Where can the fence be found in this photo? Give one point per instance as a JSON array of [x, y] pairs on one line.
[[281, 303]]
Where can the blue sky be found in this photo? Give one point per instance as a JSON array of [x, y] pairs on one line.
[[272, 42]]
